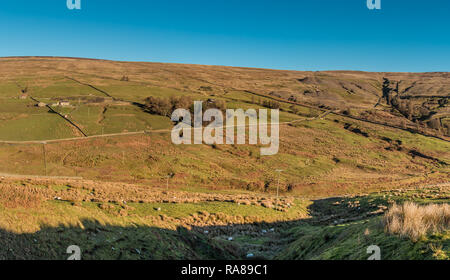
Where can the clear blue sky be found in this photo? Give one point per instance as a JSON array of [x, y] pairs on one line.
[[405, 35]]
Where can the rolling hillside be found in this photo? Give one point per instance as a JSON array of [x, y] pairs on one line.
[[416, 101], [370, 139]]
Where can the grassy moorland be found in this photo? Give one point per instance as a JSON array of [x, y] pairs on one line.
[[349, 135], [40, 218], [319, 158]]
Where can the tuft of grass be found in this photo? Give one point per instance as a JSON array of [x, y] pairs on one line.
[[414, 221]]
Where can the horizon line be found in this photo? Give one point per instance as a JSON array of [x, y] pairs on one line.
[[212, 65]]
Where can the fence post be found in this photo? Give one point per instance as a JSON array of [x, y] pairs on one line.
[[45, 157]]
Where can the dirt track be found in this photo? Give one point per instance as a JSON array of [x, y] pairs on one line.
[[18, 176]]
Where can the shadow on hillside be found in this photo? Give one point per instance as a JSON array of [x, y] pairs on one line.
[[113, 242]]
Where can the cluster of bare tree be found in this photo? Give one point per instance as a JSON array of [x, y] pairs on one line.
[[417, 114], [271, 104], [165, 106]]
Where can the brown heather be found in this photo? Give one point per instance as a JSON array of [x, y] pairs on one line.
[[30, 194], [15, 196]]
